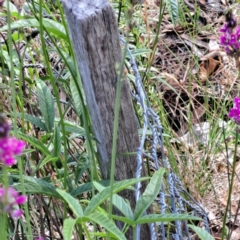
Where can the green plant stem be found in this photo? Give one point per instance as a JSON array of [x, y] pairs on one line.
[[231, 185], [55, 90], [14, 107], [116, 124]]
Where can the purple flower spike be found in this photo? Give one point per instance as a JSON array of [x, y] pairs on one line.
[[230, 38], [10, 199], [9, 147], [235, 111]]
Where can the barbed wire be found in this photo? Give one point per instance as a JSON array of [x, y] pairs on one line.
[[174, 187]]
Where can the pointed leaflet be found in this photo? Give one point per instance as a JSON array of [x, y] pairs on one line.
[[86, 187], [36, 185], [35, 143], [102, 196], [202, 233], [68, 226], [51, 25], [47, 159], [46, 104], [172, 7], [34, 120], [164, 218], [104, 221], [118, 202], [149, 194], [72, 202]]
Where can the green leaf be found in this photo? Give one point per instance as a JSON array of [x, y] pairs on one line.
[[202, 233], [68, 226], [172, 7], [124, 219], [72, 127], [36, 185], [164, 218], [35, 143], [76, 98], [117, 187], [56, 142], [118, 202], [150, 193], [72, 202], [34, 120], [141, 51], [47, 159], [105, 222], [86, 187], [50, 25], [46, 103]]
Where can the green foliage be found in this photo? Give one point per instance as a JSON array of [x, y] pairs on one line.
[[68, 227], [172, 7], [72, 202], [50, 25], [149, 194], [46, 104], [202, 233]]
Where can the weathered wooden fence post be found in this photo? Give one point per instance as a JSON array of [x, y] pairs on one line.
[[95, 37]]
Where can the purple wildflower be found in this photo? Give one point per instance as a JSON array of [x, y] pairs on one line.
[[10, 199], [235, 111], [9, 146], [230, 38]]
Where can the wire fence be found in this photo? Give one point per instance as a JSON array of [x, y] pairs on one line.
[[170, 198]]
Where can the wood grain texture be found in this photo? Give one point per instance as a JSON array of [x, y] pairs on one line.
[[95, 37]]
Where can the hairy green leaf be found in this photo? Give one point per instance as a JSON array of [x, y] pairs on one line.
[[102, 196], [34, 120], [202, 233], [68, 226], [119, 202], [46, 103], [51, 25], [164, 218], [72, 202], [35, 143], [172, 7], [149, 194], [104, 221]]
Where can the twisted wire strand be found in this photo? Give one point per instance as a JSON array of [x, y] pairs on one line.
[[173, 188]]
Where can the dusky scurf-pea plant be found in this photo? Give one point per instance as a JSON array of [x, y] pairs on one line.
[[235, 111], [230, 38], [9, 147]]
